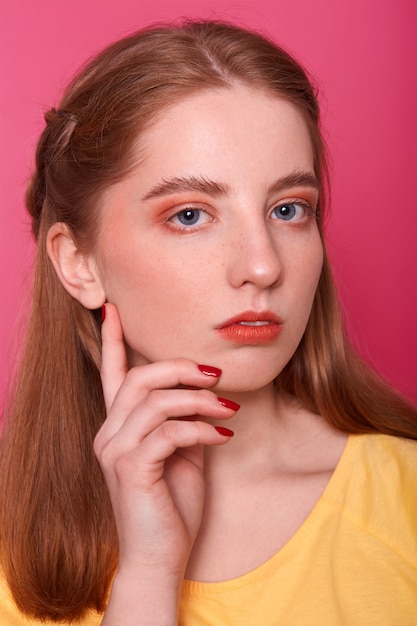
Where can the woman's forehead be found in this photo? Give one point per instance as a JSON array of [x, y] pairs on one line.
[[239, 119]]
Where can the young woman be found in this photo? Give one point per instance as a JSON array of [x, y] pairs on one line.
[[178, 205]]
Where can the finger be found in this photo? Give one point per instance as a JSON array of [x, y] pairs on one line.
[[158, 407], [140, 381], [172, 373], [114, 360], [144, 465], [176, 434]]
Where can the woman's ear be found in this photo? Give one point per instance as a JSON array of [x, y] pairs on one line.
[[76, 270]]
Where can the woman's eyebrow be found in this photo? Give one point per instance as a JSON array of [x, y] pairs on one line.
[[213, 188], [189, 183], [295, 179]]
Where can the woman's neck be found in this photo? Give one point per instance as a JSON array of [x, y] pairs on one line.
[[273, 432], [277, 466]]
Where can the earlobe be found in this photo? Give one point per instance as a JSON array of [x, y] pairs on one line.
[[76, 270]]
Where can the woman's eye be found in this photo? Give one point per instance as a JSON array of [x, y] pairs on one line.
[[190, 217], [292, 211]]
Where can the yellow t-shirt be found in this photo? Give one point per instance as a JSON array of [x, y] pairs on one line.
[[353, 562]]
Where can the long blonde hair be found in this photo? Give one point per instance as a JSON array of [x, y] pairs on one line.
[[58, 542]]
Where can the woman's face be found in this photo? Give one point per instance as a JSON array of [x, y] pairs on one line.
[[210, 248]]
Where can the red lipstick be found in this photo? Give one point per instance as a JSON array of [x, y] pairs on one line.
[[251, 328]]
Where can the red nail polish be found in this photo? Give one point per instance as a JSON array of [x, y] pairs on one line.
[[208, 370], [103, 313], [226, 432], [229, 404]]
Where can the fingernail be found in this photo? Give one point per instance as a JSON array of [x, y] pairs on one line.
[[226, 432], [208, 370], [229, 404], [103, 313]]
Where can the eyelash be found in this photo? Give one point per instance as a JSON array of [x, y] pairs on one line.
[[308, 212], [192, 210]]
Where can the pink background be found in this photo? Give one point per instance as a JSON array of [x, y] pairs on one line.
[[364, 57]]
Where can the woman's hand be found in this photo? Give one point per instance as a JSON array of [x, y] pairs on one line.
[[150, 449]]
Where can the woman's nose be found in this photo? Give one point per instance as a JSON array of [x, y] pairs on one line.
[[254, 258]]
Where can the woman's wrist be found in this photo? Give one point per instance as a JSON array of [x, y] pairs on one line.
[[143, 598]]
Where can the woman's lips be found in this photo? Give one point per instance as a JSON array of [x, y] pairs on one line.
[[251, 328]]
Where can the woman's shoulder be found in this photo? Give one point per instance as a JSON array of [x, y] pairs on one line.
[[380, 459], [381, 467], [389, 457], [375, 488]]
